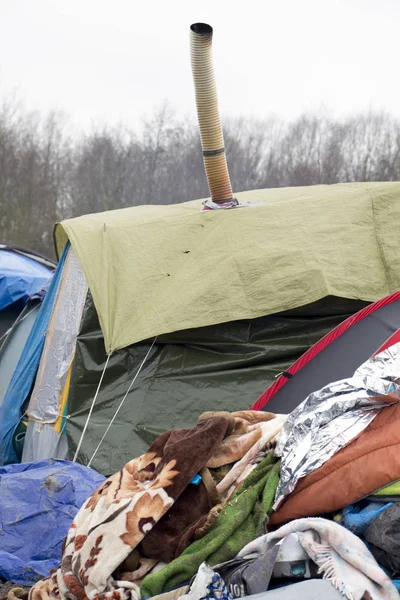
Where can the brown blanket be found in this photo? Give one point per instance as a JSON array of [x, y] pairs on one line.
[[147, 511]]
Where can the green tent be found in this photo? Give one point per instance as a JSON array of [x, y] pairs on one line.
[[209, 306]]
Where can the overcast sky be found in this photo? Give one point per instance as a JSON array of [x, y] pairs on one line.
[[113, 60]]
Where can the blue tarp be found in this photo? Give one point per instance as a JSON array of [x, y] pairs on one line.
[[38, 502], [20, 277], [25, 372], [358, 517]]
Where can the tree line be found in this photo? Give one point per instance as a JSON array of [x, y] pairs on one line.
[[47, 174]]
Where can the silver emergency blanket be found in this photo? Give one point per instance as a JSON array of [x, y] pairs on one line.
[[332, 417]]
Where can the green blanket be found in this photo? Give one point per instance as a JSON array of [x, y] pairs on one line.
[[242, 520]]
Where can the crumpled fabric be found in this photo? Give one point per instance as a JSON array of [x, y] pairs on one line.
[[330, 418], [358, 517], [342, 558], [116, 537], [243, 518], [38, 502], [207, 585], [101, 557], [268, 432], [383, 538]]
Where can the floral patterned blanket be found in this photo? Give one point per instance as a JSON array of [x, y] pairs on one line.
[[150, 510]]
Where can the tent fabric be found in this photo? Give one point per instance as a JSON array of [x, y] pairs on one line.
[[221, 367], [25, 372], [334, 357], [8, 316], [153, 270], [11, 350], [38, 503], [42, 440], [20, 277], [39, 258]]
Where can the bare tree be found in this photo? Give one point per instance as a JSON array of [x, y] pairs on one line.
[[46, 175]]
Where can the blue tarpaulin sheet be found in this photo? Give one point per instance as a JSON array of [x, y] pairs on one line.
[[25, 372], [38, 502], [20, 277], [358, 517]]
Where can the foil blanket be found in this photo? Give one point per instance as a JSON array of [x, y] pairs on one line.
[[332, 417]]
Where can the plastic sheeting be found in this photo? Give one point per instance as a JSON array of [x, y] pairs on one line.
[[20, 277], [223, 367], [44, 436], [154, 270], [38, 502], [24, 375]]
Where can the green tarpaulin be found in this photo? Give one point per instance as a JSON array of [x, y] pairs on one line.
[[153, 270], [223, 367]]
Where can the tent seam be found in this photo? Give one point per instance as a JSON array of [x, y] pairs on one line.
[[379, 243]]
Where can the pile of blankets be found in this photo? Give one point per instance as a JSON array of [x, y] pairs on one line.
[[217, 511], [197, 495]]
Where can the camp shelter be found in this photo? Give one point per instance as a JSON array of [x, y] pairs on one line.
[[208, 306], [24, 280], [22, 274], [27, 377], [159, 313]]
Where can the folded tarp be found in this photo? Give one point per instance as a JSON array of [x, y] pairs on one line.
[[38, 502], [158, 269]]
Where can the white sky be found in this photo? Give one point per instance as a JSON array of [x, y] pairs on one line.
[[106, 61]]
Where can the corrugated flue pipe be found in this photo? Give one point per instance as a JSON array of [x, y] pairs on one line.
[[212, 139]]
